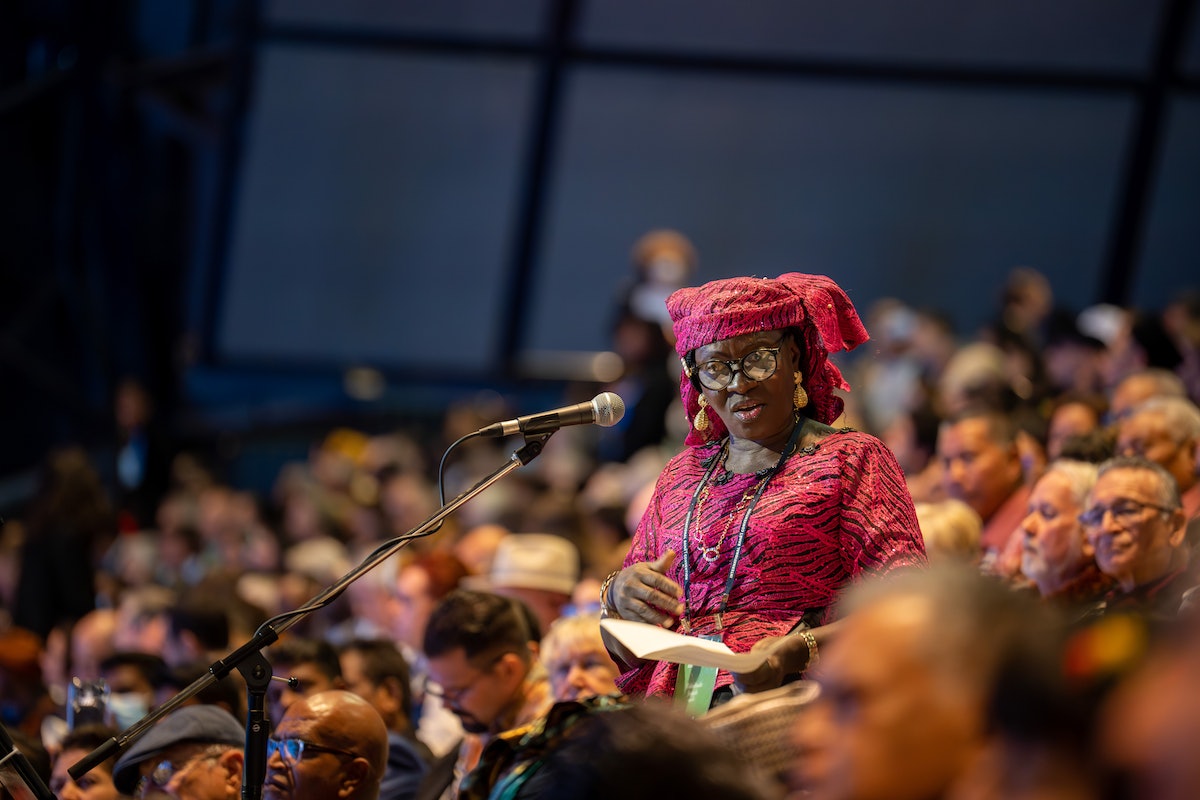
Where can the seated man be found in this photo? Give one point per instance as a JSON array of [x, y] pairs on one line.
[[1136, 525], [132, 678], [328, 745], [375, 670], [982, 467], [1056, 555], [1138, 387], [193, 753], [482, 655], [1166, 430], [312, 662]]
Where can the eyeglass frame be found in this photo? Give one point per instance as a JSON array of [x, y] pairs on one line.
[[736, 365], [1125, 517], [159, 781], [278, 744], [435, 689]]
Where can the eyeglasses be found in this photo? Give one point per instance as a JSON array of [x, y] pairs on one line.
[[452, 695], [293, 750], [448, 695], [1124, 513], [757, 365], [165, 771]]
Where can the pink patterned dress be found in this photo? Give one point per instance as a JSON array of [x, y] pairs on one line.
[[837, 510]]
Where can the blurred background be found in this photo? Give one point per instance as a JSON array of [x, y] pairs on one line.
[[277, 217]]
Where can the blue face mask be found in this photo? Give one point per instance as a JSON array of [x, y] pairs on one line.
[[127, 708]]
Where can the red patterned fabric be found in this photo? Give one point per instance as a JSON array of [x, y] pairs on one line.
[[837, 510], [737, 306]]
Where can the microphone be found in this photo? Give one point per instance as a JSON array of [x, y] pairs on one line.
[[605, 410]]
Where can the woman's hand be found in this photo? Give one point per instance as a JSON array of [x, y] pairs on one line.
[[788, 655], [644, 593]]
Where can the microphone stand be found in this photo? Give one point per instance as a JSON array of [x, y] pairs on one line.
[[249, 660]]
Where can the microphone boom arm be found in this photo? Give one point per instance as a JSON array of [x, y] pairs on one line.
[[268, 633]]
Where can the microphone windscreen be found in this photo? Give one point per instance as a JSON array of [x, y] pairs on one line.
[[609, 407]]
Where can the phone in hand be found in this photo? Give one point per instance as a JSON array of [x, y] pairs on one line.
[[87, 703]]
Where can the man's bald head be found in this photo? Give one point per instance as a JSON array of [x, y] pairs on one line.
[[345, 746]]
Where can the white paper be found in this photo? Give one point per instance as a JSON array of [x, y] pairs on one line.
[[659, 644]]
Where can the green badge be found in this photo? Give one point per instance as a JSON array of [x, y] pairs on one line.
[[694, 685]]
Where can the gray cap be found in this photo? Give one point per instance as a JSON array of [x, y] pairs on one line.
[[198, 724]]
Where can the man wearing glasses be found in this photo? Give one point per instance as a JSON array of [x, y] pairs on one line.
[[1134, 521], [482, 657], [328, 745], [193, 753]]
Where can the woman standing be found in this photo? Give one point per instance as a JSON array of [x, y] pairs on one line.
[[756, 527]]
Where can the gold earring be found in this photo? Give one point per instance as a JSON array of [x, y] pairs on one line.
[[799, 397], [702, 424]]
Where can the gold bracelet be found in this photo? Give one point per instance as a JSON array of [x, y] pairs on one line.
[[607, 610], [813, 655]]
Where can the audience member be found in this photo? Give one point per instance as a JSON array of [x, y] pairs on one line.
[[197, 628], [1136, 526], [330, 744], [951, 530], [1138, 387], [982, 467], [1072, 416], [576, 660], [96, 783], [132, 679], [976, 375], [476, 548], [1056, 554], [906, 683], [1041, 718], [312, 663], [481, 651], [537, 568], [1166, 430], [375, 670], [92, 642], [142, 622], [193, 753], [420, 585]]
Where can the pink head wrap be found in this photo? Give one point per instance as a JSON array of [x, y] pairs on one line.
[[722, 309]]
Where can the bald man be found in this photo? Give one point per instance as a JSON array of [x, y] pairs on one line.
[[331, 744]]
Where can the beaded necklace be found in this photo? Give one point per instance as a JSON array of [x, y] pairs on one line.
[[710, 553], [693, 514]]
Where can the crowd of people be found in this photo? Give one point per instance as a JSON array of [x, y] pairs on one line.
[[969, 566]]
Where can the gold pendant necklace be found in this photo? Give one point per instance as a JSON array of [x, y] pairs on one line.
[[711, 553]]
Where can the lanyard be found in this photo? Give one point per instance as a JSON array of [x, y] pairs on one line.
[[742, 528]]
